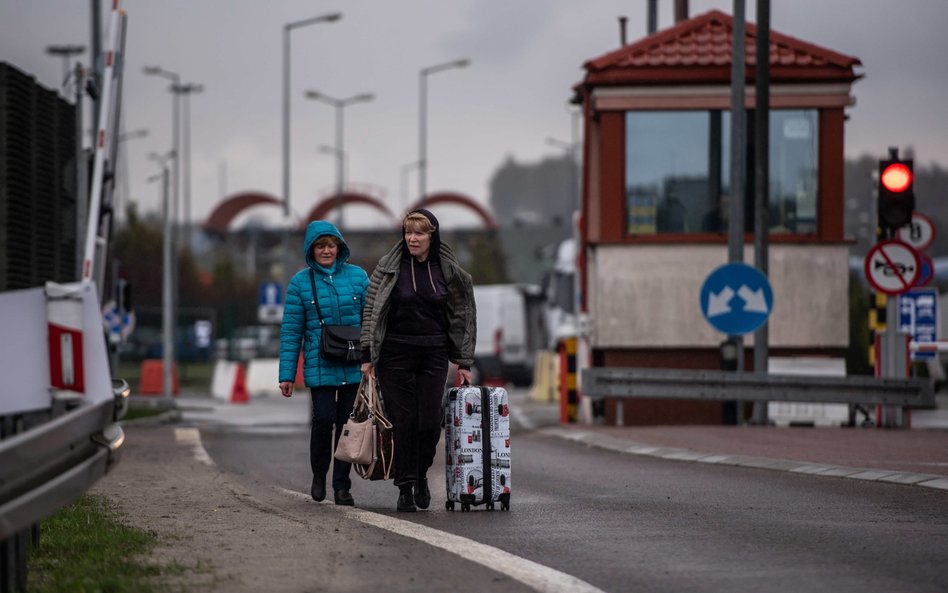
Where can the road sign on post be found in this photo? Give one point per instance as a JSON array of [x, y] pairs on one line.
[[892, 267], [736, 299], [270, 309], [918, 317], [919, 233]]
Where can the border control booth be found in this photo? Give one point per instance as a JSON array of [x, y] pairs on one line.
[[656, 190]]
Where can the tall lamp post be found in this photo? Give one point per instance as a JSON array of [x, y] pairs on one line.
[[287, 29], [339, 105], [172, 212], [175, 128], [123, 161], [405, 170], [570, 149], [167, 304], [423, 118], [185, 91], [65, 52]]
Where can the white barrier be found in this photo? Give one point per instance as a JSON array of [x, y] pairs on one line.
[[222, 381], [263, 376]]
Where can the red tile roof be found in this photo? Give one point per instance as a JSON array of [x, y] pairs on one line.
[[698, 50]]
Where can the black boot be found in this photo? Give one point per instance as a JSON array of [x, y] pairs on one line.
[[344, 497], [318, 489], [422, 493], [406, 502]]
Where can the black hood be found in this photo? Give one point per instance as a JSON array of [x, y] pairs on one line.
[[435, 250]]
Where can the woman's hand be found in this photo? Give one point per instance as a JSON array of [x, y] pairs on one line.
[[286, 388], [465, 376], [368, 369]]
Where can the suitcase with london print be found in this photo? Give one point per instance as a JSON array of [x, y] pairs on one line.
[[477, 447]]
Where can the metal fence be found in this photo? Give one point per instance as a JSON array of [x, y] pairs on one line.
[[725, 386]]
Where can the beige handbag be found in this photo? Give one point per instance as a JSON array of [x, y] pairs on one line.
[[369, 407], [357, 441]]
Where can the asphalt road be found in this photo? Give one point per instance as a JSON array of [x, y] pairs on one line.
[[631, 523]]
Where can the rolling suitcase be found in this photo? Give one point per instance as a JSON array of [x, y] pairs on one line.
[[477, 447]]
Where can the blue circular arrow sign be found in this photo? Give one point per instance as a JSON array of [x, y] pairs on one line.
[[736, 299]]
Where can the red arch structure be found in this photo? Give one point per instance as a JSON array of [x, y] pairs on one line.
[[325, 206], [225, 213], [460, 200]]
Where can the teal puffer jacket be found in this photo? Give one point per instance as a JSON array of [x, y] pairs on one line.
[[341, 293]]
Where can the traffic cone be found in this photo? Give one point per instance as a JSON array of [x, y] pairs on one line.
[[151, 380], [238, 394]]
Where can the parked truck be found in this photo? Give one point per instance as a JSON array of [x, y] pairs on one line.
[[510, 330]]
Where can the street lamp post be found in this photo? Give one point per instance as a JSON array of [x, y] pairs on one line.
[[123, 161], [65, 52], [185, 91], [167, 304], [340, 157], [175, 136], [570, 149], [423, 118], [287, 29], [406, 169], [339, 105]]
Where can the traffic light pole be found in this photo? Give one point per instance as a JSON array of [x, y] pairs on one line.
[[894, 361], [896, 202]]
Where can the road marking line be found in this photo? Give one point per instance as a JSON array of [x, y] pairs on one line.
[[536, 576], [522, 419], [192, 436]]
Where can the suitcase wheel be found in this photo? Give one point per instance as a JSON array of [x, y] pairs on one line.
[[505, 501], [449, 505], [465, 507]]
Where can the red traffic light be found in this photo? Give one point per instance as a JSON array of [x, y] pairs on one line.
[[896, 177]]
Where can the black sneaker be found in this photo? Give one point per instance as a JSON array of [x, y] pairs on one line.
[[422, 494], [406, 501], [318, 489], [344, 497]]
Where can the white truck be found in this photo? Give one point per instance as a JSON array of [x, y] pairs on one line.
[[510, 329]]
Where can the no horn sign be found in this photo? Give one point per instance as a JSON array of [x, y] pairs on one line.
[[736, 299]]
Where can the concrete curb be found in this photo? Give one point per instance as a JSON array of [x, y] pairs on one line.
[[609, 443]]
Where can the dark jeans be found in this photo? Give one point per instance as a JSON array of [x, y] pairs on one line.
[[332, 405], [412, 381]]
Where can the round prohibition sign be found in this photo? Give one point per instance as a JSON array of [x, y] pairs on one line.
[[919, 234], [892, 267]]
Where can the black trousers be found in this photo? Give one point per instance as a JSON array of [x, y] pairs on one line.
[[332, 405], [412, 381]]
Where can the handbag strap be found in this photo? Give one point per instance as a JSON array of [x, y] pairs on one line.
[[312, 283]]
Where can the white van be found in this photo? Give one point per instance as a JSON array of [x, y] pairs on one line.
[[509, 324]]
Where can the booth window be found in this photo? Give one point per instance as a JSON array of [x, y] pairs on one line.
[[677, 171]]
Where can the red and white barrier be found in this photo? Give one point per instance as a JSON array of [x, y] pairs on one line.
[[229, 382]]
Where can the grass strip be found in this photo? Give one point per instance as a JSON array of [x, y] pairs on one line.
[[85, 548]]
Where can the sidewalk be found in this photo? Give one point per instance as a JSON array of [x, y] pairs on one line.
[[916, 456]]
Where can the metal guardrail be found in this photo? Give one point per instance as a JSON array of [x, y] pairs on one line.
[[48, 467], [723, 385]]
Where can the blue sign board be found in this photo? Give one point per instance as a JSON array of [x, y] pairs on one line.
[[736, 299], [270, 294], [918, 317]]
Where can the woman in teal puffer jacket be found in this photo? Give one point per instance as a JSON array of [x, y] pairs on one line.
[[340, 289]]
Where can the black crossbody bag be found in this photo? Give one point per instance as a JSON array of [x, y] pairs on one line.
[[339, 343]]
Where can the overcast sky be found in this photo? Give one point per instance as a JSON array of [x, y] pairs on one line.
[[525, 56]]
